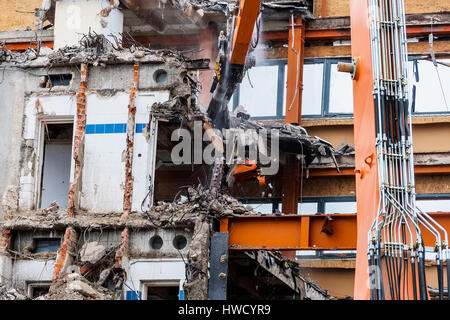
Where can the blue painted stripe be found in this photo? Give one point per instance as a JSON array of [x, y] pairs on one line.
[[134, 295], [109, 128]]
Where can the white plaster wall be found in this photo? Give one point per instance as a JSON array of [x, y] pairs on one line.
[[143, 103], [73, 18], [25, 271], [141, 271], [5, 270], [104, 168]]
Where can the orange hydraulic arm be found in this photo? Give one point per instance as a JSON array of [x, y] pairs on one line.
[[232, 61], [245, 22]]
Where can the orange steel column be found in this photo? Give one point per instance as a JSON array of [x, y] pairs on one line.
[[367, 194], [294, 86]]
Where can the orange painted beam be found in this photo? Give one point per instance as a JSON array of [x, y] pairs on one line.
[[345, 34], [245, 23], [303, 232], [419, 170], [367, 191], [294, 85], [438, 30], [22, 46], [289, 232]]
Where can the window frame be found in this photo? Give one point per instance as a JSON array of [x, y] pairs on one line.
[[159, 283], [413, 58], [39, 167], [326, 88], [281, 88]]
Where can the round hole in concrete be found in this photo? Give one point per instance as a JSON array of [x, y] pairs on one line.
[[179, 242], [160, 76], [156, 242]]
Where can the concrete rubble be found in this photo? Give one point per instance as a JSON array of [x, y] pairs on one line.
[[10, 294], [92, 252]]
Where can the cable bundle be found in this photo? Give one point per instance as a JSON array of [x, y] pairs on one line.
[[396, 249]]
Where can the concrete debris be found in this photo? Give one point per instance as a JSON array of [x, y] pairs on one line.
[[96, 49], [52, 208], [10, 294], [92, 252], [294, 139], [10, 201], [76, 287], [177, 108], [85, 289]]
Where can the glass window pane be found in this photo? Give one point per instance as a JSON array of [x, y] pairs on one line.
[[312, 89], [341, 91], [265, 208], [340, 207], [308, 208], [429, 95], [261, 99], [434, 205]]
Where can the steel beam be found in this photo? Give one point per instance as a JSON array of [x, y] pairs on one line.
[[294, 85], [303, 232]]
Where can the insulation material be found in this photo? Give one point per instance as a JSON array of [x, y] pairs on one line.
[[103, 170]]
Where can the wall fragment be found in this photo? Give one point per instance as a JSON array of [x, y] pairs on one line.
[[78, 148]]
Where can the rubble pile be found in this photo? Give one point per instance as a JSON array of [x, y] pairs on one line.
[[197, 202], [10, 294], [16, 57], [91, 277], [76, 287], [293, 139]]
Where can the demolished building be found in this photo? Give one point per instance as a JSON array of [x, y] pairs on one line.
[[93, 205]]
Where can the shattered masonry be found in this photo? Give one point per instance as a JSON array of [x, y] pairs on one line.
[[78, 149], [130, 144]]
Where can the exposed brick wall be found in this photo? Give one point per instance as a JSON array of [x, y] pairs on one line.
[[122, 249], [5, 240], [78, 141], [63, 258], [128, 191]]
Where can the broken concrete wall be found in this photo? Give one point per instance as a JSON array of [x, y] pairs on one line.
[[12, 85], [26, 272], [107, 100], [104, 161]]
